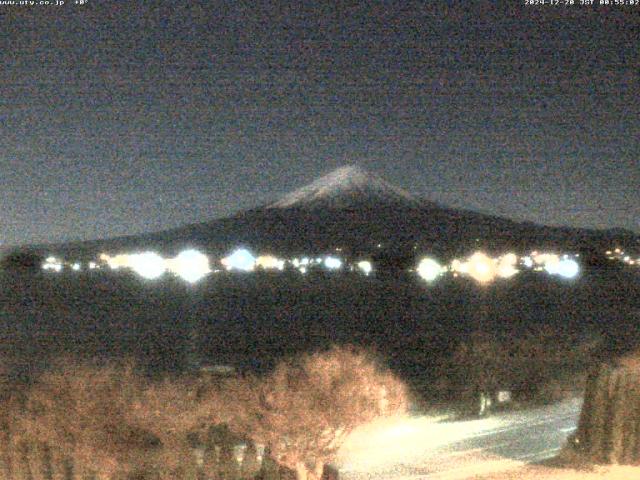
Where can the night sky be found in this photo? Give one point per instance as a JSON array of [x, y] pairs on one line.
[[118, 117]]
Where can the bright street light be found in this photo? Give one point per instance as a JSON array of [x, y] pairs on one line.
[[365, 267], [241, 259], [568, 268], [190, 265], [482, 268], [332, 263], [429, 270], [148, 265]]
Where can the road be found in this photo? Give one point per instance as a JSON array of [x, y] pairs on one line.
[[425, 448]]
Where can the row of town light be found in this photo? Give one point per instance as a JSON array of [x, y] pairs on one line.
[[484, 269], [192, 265], [621, 256], [244, 261]]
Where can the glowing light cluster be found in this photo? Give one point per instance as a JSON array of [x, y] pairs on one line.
[[564, 266], [429, 269], [269, 262], [567, 268], [148, 265], [241, 260], [484, 269], [190, 265], [365, 267], [527, 261], [507, 265], [481, 268], [546, 261], [332, 263], [303, 264], [621, 256], [52, 263], [116, 262]]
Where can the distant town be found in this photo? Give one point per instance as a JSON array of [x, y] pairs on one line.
[[192, 265]]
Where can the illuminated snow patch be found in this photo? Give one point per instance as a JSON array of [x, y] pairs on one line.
[[384, 443]]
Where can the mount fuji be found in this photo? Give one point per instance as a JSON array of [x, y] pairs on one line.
[[359, 212]]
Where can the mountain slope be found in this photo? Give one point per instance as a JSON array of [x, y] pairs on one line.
[[356, 211]]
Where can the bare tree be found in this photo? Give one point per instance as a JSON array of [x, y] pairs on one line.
[[82, 412], [110, 422], [172, 411], [306, 408]]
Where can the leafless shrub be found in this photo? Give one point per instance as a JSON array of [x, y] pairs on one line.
[[110, 422], [307, 406], [83, 412], [174, 412]]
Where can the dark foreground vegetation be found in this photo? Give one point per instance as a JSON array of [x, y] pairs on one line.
[[540, 366], [96, 418], [81, 421], [609, 427], [530, 335]]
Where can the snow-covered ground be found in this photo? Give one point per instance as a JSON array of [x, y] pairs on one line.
[[416, 448], [614, 472]]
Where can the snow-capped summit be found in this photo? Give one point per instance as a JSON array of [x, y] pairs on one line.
[[347, 187]]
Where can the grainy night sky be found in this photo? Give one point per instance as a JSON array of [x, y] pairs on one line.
[[119, 117]]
